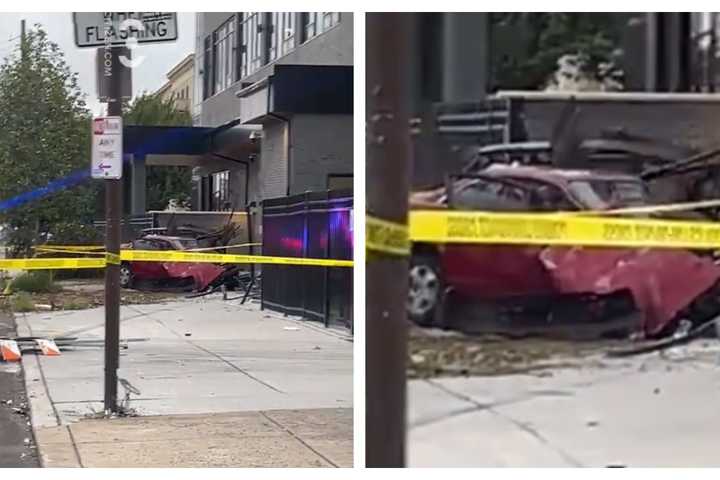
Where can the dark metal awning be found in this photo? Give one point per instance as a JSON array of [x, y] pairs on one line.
[[184, 145]]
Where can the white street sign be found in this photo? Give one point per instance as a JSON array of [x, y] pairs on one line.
[[123, 28], [107, 148]]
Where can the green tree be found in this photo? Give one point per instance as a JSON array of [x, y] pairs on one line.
[[527, 46], [44, 136], [166, 182]]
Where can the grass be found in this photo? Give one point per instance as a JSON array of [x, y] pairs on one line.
[[76, 305], [35, 281], [22, 302]]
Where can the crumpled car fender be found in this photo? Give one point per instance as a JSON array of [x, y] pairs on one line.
[[662, 281], [203, 274]]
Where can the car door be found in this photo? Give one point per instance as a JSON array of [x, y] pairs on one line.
[[493, 272], [148, 270]]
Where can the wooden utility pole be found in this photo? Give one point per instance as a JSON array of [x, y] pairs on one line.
[[388, 64]]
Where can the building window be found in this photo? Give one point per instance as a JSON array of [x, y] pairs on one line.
[[273, 27], [330, 19], [207, 68], [310, 25], [221, 193], [315, 23], [224, 56], [252, 50], [282, 34], [286, 32]]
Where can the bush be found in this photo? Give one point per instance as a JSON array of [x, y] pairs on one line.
[[70, 233], [22, 302], [35, 281]]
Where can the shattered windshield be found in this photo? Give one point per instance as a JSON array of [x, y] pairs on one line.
[[607, 194]]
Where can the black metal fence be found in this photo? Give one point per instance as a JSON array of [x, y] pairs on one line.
[[310, 225]]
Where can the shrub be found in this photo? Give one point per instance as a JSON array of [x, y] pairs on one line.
[[35, 281], [22, 302]]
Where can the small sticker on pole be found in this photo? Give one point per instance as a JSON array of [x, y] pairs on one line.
[[107, 142]]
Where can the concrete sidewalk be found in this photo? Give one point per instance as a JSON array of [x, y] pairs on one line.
[[276, 438], [652, 410], [201, 357]]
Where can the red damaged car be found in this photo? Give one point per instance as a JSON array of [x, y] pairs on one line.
[[197, 276], [659, 287]]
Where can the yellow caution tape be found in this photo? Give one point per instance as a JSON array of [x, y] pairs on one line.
[[183, 256], [162, 256], [386, 237], [79, 248], [659, 208], [51, 263], [46, 251], [112, 258], [559, 229]]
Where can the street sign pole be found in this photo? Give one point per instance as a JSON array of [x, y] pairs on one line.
[[388, 177], [115, 32], [113, 209]]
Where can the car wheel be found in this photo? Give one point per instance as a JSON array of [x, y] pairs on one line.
[[425, 289], [126, 277]]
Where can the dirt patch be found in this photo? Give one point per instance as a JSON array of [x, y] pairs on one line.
[[433, 353], [80, 299]]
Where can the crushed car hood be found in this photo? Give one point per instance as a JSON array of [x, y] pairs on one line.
[[203, 274], [662, 282]]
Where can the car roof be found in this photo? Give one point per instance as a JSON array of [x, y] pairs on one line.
[[555, 175]]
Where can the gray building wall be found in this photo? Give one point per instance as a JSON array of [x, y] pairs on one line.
[[321, 145]]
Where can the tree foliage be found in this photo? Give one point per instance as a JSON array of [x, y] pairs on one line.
[[44, 136], [163, 183], [528, 46]]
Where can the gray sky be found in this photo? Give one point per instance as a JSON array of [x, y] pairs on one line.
[[149, 75]]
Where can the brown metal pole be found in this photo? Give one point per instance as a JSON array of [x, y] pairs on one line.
[[113, 211], [388, 38]]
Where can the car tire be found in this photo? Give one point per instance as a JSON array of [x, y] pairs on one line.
[[126, 276], [425, 289]]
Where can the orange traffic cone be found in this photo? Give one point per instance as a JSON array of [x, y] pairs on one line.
[[10, 351], [47, 347]]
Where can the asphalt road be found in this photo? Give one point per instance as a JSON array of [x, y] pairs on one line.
[[17, 448]]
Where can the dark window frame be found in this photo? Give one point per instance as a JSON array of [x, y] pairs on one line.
[[208, 80]]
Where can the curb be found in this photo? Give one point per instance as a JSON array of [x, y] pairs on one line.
[[42, 413]]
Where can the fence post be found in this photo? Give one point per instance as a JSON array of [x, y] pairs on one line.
[[326, 305], [306, 238]]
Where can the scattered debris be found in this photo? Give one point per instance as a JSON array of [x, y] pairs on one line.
[[433, 353], [292, 329]]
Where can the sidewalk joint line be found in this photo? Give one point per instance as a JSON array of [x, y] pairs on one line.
[[219, 357], [75, 447], [292, 434]]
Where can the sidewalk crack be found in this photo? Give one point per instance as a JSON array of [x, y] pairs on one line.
[[296, 437]]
